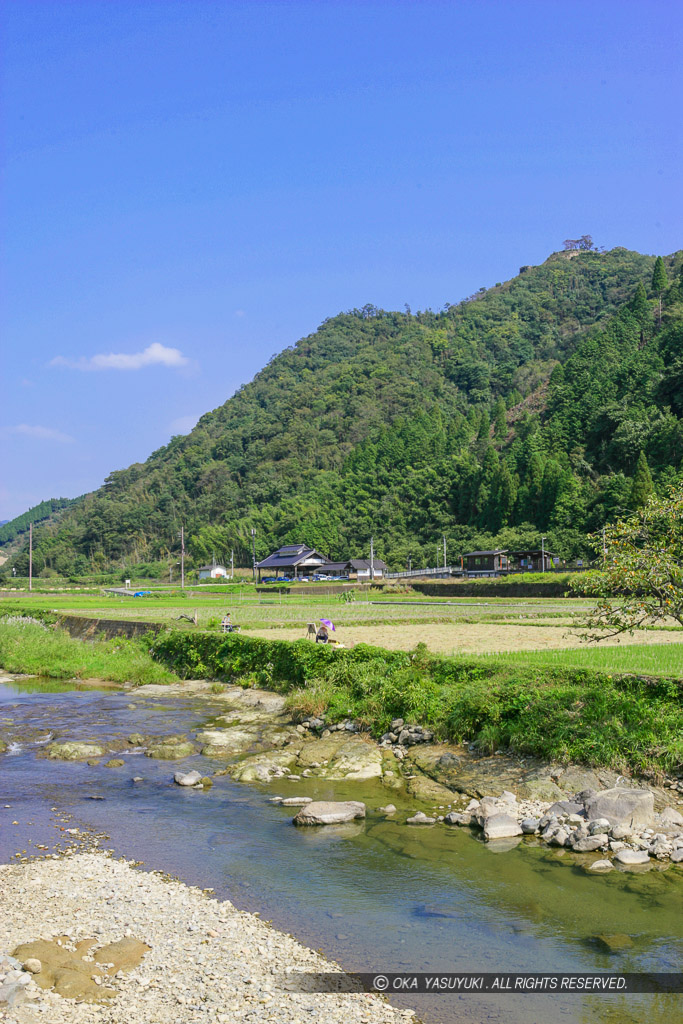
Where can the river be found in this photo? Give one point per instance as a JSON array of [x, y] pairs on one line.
[[375, 896]]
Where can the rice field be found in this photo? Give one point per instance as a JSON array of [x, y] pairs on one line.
[[543, 631], [468, 638]]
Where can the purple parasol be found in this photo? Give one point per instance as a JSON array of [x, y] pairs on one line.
[[326, 622]]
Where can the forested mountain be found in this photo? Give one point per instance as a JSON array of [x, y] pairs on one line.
[[11, 528], [542, 405]]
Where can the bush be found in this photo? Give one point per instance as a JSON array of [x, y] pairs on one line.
[[559, 714]]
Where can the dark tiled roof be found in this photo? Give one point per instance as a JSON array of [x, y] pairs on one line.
[[364, 563], [498, 551], [290, 556]]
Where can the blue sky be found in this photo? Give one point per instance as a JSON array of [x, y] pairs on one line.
[[190, 187]]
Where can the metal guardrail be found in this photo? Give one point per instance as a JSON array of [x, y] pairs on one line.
[[442, 570], [451, 570]]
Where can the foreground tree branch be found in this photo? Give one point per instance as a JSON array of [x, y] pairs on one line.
[[641, 580]]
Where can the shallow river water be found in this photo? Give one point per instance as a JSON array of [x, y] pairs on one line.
[[376, 896]]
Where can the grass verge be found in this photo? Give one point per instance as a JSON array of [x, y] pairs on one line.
[[45, 651]]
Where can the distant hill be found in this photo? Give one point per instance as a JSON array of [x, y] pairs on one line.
[[522, 410], [11, 528]]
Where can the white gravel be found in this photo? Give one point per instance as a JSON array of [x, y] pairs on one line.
[[208, 961]]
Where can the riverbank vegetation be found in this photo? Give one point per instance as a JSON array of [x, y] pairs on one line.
[[37, 649], [557, 713]]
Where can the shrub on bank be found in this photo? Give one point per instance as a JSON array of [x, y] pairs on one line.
[[558, 714]]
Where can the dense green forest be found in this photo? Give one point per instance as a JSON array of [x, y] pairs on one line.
[[544, 405], [20, 524]]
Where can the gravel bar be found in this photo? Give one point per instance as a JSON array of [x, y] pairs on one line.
[[208, 962]]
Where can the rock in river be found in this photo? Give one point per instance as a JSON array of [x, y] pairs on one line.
[[74, 751], [170, 748], [330, 812], [500, 826], [420, 818], [187, 778]]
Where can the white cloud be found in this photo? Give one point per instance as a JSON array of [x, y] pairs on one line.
[[154, 355], [183, 424], [40, 433]]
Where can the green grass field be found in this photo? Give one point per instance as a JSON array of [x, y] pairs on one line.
[[522, 631], [640, 659]]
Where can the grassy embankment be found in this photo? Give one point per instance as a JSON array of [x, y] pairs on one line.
[[556, 713], [586, 704], [43, 651]]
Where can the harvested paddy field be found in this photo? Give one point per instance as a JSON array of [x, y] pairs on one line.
[[470, 637]]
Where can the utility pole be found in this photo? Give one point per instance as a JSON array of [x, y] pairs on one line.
[[253, 552], [410, 563], [372, 558], [542, 554], [445, 563], [182, 557], [30, 556], [604, 546], [232, 564]]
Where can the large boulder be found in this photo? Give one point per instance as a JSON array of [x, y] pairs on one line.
[[73, 750], [501, 826], [330, 812], [621, 806]]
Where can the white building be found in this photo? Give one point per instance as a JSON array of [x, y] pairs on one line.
[[213, 572]]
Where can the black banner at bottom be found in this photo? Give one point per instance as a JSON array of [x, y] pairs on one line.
[[472, 983]]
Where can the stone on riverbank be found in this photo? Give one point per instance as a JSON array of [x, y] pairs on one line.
[[621, 806], [420, 818], [629, 857], [262, 767], [330, 812], [424, 788], [348, 757], [589, 843]]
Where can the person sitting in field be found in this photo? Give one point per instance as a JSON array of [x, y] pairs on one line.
[[226, 624], [322, 636]]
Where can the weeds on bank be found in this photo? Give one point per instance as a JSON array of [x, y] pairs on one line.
[[560, 713], [45, 651]]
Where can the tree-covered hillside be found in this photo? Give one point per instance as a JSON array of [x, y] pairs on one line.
[[526, 409], [11, 528]]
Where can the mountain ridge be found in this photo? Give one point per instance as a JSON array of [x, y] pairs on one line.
[[474, 421]]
